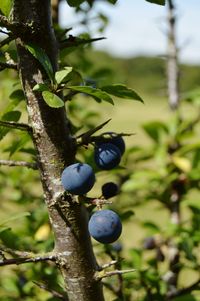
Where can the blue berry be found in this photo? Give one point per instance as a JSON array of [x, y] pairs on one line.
[[105, 226], [117, 141], [109, 190], [107, 156], [78, 178]]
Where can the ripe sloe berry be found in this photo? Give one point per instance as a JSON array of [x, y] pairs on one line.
[[105, 226], [109, 190], [78, 178], [107, 156], [117, 141]]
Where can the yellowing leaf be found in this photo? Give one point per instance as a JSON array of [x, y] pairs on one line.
[[182, 163], [43, 232]]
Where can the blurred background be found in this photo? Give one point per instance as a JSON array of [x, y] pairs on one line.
[[162, 152]]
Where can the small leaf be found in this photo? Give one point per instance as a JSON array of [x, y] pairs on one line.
[[9, 116], [75, 3], [122, 91], [97, 94], [160, 2], [5, 7], [182, 163], [52, 99], [42, 57], [12, 218], [41, 87], [17, 95], [62, 74], [154, 129]]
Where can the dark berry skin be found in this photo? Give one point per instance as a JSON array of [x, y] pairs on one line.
[[109, 190], [105, 226], [78, 178], [107, 156], [118, 141]]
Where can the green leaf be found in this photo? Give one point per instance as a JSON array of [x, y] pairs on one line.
[[17, 95], [41, 87], [97, 94], [9, 116], [42, 57], [122, 91], [75, 3], [153, 228], [52, 99], [160, 2], [154, 129], [5, 7], [62, 74], [23, 138], [12, 218]]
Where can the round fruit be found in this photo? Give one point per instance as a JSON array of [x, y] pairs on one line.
[[117, 141], [105, 226], [109, 190], [107, 156], [78, 178]]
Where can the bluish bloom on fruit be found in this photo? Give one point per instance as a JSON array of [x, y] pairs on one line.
[[78, 178], [107, 156], [109, 190], [105, 226]]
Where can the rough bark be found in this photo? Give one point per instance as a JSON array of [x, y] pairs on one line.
[[172, 60], [56, 149]]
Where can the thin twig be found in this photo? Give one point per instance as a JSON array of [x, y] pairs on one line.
[[89, 133], [22, 260], [4, 66], [74, 42], [103, 274], [53, 292], [16, 125], [19, 163], [107, 265]]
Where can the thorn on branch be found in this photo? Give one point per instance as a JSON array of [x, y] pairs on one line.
[[74, 41], [103, 274], [11, 163]]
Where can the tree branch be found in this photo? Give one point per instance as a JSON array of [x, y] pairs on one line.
[[19, 163], [4, 66], [16, 125], [21, 260], [75, 42], [103, 274]]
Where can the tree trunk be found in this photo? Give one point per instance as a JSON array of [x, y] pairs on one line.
[[56, 149], [172, 60]]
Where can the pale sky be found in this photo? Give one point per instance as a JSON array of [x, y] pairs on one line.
[[137, 27]]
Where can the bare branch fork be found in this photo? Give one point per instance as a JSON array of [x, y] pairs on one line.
[[11, 163]]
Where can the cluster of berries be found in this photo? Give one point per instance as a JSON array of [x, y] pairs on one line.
[[79, 178]]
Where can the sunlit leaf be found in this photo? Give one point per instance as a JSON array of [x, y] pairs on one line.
[[52, 99], [5, 6], [62, 74], [41, 87]]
